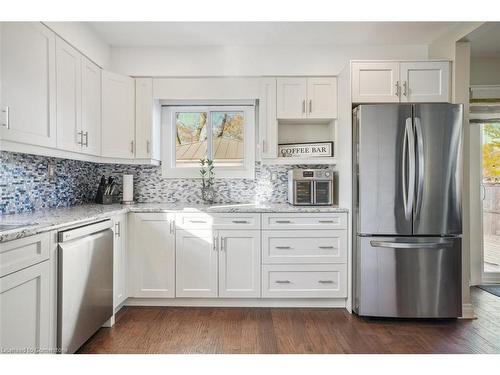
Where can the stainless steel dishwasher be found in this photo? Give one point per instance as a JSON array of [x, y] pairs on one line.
[[85, 287]]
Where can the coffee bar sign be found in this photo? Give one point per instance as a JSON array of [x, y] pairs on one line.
[[306, 150]]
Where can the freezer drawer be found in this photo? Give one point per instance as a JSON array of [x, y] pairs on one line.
[[410, 277]]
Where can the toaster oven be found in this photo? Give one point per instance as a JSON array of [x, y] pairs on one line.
[[310, 187]]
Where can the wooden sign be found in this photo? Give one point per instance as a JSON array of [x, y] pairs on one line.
[[306, 150]]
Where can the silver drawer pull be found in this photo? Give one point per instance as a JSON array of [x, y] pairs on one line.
[[283, 247], [326, 247], [326, 221], [282, 281], [198, 221], [325, 281], [240, 221], [283, 221]]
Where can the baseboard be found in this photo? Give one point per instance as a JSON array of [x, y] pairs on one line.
[[226, 302], [468, 311]]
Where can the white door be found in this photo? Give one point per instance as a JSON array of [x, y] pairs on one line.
[[69, 97], [291, 98], [143, 116], [24, 309], [91, 107], [118, 115], [119, 260], [239, 263], [375, 82], [196, 263], [152, 260], [425, 81], [268, 125], [28, 84], [322, 97]]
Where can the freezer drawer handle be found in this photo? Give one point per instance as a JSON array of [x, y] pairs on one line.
[[411, 245]]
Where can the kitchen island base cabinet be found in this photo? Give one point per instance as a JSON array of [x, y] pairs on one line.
[[152, 255], [196, 263], [25, 310]]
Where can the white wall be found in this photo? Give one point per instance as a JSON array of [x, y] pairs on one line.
[[85, 39], [250, 60], [485, 71]]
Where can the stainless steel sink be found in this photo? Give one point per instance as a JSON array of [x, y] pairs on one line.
[[10, 226]]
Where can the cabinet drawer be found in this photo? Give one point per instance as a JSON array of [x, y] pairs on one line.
[[24, 252], [304, 246], [218, 221], [304, 281], [304, 221]]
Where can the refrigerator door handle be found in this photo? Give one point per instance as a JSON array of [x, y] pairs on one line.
[[421, 165], [408, 148], [412, 245]]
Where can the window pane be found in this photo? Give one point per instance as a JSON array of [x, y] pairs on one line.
[[228, 129], [191, 137]]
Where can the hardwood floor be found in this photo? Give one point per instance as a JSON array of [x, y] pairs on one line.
[[270, 330]]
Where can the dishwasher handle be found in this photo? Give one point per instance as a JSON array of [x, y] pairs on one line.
[[85, 230]]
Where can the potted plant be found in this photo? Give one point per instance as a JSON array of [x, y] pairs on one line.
[[207, 180]]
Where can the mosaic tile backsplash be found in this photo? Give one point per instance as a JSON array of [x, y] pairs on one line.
[[25, 185]]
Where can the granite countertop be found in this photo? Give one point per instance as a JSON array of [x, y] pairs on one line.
[[51, 219]]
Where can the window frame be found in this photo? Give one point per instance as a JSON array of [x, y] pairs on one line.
[[168, 134]]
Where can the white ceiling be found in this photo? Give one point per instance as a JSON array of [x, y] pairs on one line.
[[485, 40], [135, 34]]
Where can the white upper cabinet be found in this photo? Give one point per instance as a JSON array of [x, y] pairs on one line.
[[68, 88], [393, 81], [28, 84], [147, 124], [152, 255], [302, 98], [322, 97], [239, 263], [118, 115], [425, 81], [78, 101], [375, 82], [91, 107], [268, 125], [291, 98]]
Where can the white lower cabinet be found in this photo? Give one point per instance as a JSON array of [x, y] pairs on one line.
[[152, 255], [196, 263], [119, 260], [239, 263], [304, 281], [25, 309]]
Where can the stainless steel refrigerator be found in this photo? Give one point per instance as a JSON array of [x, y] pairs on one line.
[[407, 210]]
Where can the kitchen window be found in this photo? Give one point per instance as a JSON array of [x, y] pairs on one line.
[[225, 134]]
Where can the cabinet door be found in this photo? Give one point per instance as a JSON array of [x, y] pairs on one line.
[[425, 81], [69, 91], [291, 98], [28, 84], [196, 263], [143, 117], [268, 125], [24, 309], [375, 82], [322, 97], [119, 260], [91, 107], [153, 255], [118, 118], [239, 263]]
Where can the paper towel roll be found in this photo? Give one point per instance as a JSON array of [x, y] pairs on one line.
[[128, 188]]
